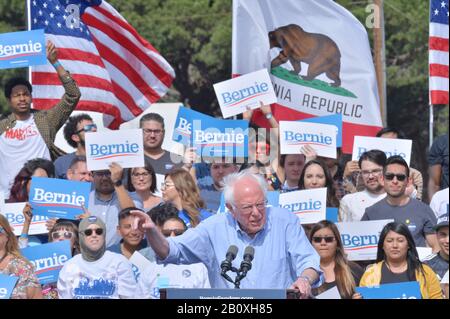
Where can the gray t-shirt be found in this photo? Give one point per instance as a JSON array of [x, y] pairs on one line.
[[165, 163], [419, 217], [108, 211]]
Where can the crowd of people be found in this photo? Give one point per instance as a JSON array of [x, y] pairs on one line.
[[180, 233]]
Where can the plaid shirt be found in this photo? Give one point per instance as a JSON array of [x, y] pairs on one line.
[[48, 122]]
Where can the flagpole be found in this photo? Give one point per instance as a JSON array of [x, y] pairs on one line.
[[380, 60], [431, 124]]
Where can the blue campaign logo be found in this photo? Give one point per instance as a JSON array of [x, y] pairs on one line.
[[48, 259], [310, 206], [184, 124], [359, 242], [100, 152], [222, 138], [7, 284], [211, 137], [237, 97], [296, 138], [404, 290], [22, 49], [335, 120], [58, 197]]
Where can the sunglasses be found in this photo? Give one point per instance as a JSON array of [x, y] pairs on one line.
[[102, 174], [65, 235], [87, 128], [390, 177], [318, 239], [98, 231], [168, 232]]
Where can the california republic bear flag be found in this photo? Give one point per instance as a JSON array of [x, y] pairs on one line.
[[319, 57]]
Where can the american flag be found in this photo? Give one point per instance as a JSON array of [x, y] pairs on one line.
[[438, 58], [119, 73]]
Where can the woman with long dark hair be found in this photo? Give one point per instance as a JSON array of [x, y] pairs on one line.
[[398, 261], [337, 270], [315, 174]]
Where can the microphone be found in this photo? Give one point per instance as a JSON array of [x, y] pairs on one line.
[[246, 264], [229, 257]]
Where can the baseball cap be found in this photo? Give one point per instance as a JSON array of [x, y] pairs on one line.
[[442, 221]]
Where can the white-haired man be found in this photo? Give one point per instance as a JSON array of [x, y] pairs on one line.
[[283, 256]]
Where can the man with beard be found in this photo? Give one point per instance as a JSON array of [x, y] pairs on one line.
[[352, 206], [397, 205], [108, 198], [74, 133]]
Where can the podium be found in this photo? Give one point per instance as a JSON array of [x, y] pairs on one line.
[[224, 294]]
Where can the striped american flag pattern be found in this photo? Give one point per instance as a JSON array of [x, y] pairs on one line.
[[438, 52], [119, 73]]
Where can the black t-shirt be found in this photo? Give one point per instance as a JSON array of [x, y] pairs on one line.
[[439, 156], [388, 277]]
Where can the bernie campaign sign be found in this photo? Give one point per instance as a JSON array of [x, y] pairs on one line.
[[58, 197]]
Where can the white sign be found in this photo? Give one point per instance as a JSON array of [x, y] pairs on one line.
[[237, 95], [332, 293], [321, 137], [14, 214], [388, 145], [309, 205], [124, 147], [360, 239]]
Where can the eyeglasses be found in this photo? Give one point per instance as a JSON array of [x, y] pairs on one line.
[[390, 177], [374, 172], [168, 232], [149, 131], [98, 231], [2, 230], [246, 209], [102, 174], [143, 174], [87, 128], [318, 239], [166, 185], [58, 235]]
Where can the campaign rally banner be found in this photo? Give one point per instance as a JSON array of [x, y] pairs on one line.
[[14, 214], [319, 58], [271, 196], [295, 135], [335, 120], [360, 239], [388, 145], [404, 290], [124, 147], [22, 49], [58, 197], [48, 259], [309, 205], [186, 120], [244, 93], [211, 137], [7, 284]]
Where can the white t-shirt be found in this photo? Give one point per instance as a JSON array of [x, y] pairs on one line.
[[354, 205], [110, 277], [18, 145], [158, 276], [439, 202], [444, 280]]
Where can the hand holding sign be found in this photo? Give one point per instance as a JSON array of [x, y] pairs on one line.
[[309, 153]]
